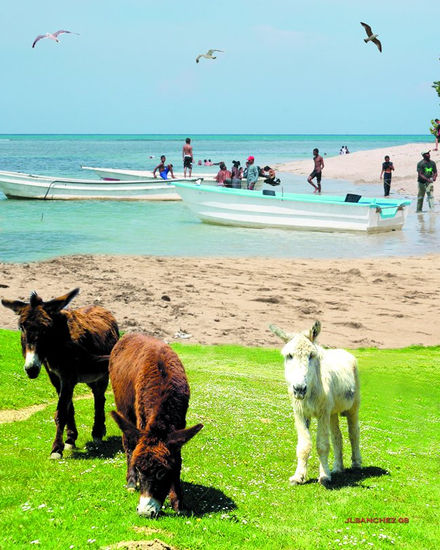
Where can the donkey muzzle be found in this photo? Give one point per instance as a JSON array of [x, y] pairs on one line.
[[32, 364], [148, 507], [299, 392]]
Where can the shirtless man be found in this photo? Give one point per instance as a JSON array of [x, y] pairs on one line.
[[317, 171], [164, 169], [187, 155]]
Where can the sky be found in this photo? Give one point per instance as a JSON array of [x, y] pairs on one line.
[[289, 67]]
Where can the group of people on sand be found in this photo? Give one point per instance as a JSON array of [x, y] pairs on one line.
[[426, 176]]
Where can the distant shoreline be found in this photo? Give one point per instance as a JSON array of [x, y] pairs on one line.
[[364, 167]]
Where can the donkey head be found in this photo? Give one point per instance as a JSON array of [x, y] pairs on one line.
[[36, 320], [155, 462], [301, 358]]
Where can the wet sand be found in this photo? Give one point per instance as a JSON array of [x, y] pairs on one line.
[[391, 302]]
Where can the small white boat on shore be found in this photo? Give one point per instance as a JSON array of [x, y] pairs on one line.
[[119, 174], [269, 208], [17, 185]]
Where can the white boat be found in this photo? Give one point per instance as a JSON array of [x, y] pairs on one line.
[[17, 185], [270, 208], [119, 174]]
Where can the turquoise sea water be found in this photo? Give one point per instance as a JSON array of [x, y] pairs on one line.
[[35, 230]]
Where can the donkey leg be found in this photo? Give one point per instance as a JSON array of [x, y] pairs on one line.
[[98, 389], [61, 415], [323, 448], [303, 449], [132, 480], [353, 432], [72, 432], [176, 495], [338, 465]]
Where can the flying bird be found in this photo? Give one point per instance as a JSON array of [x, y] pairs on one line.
[[51, 35], [208, 55], [371, 37]]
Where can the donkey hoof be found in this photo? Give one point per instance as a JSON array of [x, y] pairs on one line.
[[297, 480], [56, 456], [325, 480], [69, 446]]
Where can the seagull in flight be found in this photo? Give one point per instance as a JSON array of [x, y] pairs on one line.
[[208, 55], [371, 37], [51, 35]]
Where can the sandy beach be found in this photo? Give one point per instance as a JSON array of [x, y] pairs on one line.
[[385, 303], [364, 167]]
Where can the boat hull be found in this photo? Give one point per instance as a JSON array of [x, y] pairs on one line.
[[115, 174], [25, 186], [291, 211]]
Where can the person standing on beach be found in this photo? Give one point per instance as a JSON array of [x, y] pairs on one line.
[[437, 133], [387, 168], [187, 154], [317, 171], [252, 173], [427, 174]]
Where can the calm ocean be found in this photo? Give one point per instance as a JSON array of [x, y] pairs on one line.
[[35, 230]]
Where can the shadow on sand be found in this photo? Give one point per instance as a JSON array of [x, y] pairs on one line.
[[105, 449], [352, 477], [201, 500]]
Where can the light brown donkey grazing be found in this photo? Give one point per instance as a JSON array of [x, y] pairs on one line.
[[152, 395], [70, 344]]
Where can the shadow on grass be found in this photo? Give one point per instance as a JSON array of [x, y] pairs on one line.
[[201, 500], [105, 449], [353, 477]]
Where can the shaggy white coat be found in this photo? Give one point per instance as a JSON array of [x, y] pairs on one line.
[[322, 383]]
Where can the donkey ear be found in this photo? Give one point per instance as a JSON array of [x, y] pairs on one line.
[[314, 331], [285, 337], [15, 305], [57, 304], [128, 429], [180, 437]]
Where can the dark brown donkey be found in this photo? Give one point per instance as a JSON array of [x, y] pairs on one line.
[[69, 344], [151, 394]]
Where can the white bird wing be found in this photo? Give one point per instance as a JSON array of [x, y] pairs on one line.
[[367, 29], [57, 33], [378, 43], [210, 52], [39, 37], [198, 57]]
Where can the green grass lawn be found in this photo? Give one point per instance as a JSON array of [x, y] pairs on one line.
[[236, 470]]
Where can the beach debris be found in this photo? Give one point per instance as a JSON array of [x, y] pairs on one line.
[[208, 55], [182, 334], [52, 36], [371, 37], [165, 298]]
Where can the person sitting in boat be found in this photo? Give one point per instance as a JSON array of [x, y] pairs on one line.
[[236, 174], [164, 169], [223, 176], [271, 176]]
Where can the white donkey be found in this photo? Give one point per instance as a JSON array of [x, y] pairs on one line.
[[322, 383]]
